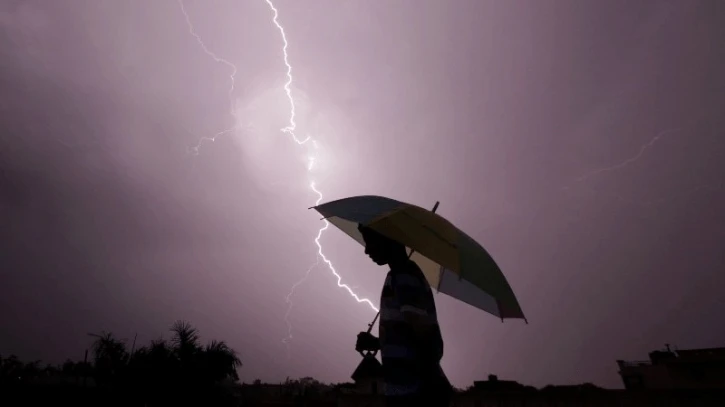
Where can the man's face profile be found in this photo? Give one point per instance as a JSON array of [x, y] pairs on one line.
[[376, 246]]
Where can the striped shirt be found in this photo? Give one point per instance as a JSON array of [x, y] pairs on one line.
[[407, 359]]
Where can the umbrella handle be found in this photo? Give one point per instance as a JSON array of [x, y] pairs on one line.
[[370, 325]]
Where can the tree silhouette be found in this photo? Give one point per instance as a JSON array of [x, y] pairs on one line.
[[110, 358], [185, 339], [186, 350], [221, 362], [11, 369]]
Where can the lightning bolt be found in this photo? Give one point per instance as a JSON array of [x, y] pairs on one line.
[[230, 93], [633, 159], [288, 300], [628, 161], [289, 130]]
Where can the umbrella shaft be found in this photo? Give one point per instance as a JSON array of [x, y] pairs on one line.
[[370, 325]]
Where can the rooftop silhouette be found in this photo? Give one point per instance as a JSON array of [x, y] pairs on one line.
[[679, 369]]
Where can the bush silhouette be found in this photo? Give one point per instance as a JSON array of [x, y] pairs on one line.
[[177, 371]]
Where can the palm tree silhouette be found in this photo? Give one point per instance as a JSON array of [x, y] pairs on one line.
[[110, 357], [221, 362], [185, 341], [210, 364]]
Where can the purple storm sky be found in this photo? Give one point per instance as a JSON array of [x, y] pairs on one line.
[[535, 123]]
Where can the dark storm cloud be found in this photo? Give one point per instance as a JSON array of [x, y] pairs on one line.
[[493, 108]]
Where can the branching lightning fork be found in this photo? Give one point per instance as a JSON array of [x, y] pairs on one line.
[[628, 161], [636, 157], [290, 130], [195, 150]]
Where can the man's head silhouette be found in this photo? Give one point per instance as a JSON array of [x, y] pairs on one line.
[[381, 249]]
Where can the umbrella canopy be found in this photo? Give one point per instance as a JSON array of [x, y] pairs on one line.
[[452, 262]]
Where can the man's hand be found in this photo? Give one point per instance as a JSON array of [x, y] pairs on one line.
[[367, 342]]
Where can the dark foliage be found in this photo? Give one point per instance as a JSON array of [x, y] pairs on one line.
[[180, 371]]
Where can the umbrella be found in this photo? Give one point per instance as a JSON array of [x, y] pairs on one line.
[[452, 262]]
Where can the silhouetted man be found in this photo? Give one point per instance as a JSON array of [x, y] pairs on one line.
[[410, 341]]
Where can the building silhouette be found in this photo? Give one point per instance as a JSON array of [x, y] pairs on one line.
[[686, 369], [495, 385]]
